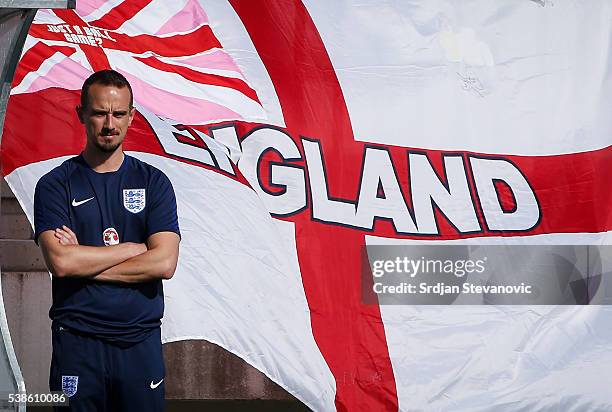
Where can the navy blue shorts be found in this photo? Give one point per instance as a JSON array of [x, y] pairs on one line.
[[102, 376]]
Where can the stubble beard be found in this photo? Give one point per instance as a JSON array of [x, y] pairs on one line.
[[107, 147]]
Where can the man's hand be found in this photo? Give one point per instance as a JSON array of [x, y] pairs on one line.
[[66, 258], [159, 262], [66, 236]]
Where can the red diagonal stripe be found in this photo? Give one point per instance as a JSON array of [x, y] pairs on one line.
[[120, 14], [177, 45], [203, 78], [35, 57]]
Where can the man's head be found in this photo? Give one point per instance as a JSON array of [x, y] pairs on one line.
[[106, 109]]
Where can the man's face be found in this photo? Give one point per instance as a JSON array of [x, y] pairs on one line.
[[107, 116]]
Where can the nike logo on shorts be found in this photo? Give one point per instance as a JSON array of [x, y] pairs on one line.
[[80, 202], [155, 385]]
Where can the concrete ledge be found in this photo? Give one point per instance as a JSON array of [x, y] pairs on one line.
[[15, 227], [27, 299], [10, 206], [198, 369], [255, 405], [21, 256], [5, 190]]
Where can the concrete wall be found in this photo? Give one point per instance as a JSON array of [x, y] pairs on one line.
[[196, 370]]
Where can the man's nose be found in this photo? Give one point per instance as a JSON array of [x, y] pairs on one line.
[[108, 121]]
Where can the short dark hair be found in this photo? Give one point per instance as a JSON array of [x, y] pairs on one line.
[[106, 78]]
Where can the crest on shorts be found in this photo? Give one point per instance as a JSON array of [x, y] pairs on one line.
[[70, 384], [110, 236], [134, 200]]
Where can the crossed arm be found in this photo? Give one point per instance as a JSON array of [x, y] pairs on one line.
[[122, 263]]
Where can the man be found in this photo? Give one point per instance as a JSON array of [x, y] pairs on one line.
[[108, 229]]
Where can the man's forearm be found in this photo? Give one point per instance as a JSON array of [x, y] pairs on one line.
[[82, 261], [151, 265]]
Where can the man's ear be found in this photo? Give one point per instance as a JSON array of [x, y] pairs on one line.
[[79, 111]]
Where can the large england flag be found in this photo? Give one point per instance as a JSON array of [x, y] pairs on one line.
[[297, 133]]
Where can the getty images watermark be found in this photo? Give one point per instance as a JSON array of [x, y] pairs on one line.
[[459, 268], [473, 275]]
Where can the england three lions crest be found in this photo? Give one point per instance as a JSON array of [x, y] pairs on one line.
[[70, 385], [134, 200]]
